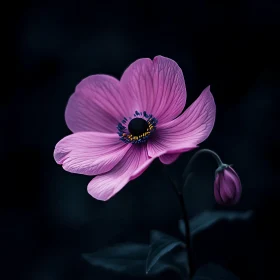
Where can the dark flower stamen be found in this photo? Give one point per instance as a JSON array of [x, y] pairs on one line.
[[138, 129], [138, 126]]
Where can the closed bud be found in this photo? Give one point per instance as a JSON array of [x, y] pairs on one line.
[[227, 185]]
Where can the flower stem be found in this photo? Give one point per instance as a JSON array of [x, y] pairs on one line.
[[187, 236], [187, 227], [216, 157], [179, 193]]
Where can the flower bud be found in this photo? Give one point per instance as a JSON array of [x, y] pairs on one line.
[[227, 185]]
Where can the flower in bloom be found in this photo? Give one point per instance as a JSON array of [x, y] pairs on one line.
[[120, 126], [227, 185]]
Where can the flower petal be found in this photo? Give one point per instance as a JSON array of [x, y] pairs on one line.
[[158, 87], [133, 164], [188, 130], [169, 158], [141, 169], [96, 105], [90, 153], [234, 179], [217, 188]]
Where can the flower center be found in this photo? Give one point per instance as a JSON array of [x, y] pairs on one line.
[[138, 126], [138, 129]]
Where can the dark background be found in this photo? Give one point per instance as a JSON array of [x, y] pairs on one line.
[[47, 217]]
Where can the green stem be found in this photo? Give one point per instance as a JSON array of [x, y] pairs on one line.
[[187, 236], [187, 227], [180, 196], [193, 158]]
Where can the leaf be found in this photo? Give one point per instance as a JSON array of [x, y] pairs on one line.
[[213, 271], [208, 218], [161, 244], [182, 227], [181, 262], [127, 258]]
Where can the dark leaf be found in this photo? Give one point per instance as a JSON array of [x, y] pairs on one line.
[[127, 258], [208, 218], [161, 244], [213, 271], [181, 262]]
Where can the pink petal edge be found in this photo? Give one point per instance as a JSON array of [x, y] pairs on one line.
[[169, 158], [158, 87], [188, 130], [132, 165], [97, 105], [89, 153]]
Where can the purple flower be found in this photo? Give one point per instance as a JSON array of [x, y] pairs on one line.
[[120, 127], [227, 185]]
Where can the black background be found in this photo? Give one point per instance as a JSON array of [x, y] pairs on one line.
[[47, 217]]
